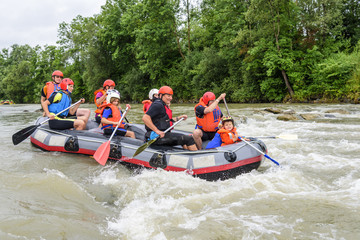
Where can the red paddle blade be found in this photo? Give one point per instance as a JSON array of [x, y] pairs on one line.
[[102, 153]]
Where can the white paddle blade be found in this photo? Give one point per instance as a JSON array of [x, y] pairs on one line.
[[288, 136]]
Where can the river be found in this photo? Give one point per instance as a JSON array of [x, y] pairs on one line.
[[314, 194]]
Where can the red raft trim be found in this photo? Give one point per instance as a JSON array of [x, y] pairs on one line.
[[147, 165]]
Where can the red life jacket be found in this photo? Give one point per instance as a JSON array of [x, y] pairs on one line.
[[115, 115], [50, 88], [227, 137], [210, 121], [98, 110], [146, 105], [169, 113]]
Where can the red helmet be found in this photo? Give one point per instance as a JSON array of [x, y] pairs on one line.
[[166, 90], [57, 73], [208, 96], [109, 82], [65, 82]]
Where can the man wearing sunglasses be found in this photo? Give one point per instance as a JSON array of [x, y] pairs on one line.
[[52, 86]]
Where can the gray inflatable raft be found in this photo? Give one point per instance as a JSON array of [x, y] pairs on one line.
[[211, 164]]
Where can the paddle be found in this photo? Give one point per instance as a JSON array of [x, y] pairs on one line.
[[259, 151], [21, 135], [102, 153], [250, 143], [125, 117], [147, 144], [283, 136], [227, 109]]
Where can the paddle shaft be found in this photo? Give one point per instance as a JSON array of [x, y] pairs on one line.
[[227, 109], [125, 117], [147, 144], [176, 123], [250, 143], [60, 112], [21, 135], [260, 151], [117, 125]]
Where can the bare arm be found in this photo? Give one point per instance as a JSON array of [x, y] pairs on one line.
[[104, 121], [149, 123], [72, 110], [101, 99], [45, 106], [212, 106]]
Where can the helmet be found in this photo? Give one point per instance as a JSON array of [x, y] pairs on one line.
[[57, 73], [226, 119], [109, 82], [112, 93], [166, 90], [152, 92], [65, 82], [208, 96]]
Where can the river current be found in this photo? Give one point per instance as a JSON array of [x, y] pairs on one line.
[[314, 194]]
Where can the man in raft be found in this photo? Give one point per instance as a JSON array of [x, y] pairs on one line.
[[159, 118], [59, 101], [208, 116]]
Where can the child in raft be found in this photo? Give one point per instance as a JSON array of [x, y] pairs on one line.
[[228, 132], [111, 115]]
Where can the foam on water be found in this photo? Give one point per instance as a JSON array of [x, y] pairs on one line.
[[314, 194], [317, 182]]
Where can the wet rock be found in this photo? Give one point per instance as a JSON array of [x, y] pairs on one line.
[[290, 111], [309, 116], [287, 117], [329, 116], [26, 111], [39, 110], [341, 111], [260, 112], [273, 110]]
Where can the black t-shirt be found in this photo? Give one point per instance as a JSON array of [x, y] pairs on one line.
[[157, 109], [199, 111], [158, 115]]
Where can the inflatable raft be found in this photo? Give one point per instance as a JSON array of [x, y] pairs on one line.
[[210, 164]]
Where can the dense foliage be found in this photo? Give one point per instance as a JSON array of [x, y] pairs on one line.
[[254, 50]]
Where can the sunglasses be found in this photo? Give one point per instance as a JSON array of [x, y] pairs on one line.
[[58, 76]]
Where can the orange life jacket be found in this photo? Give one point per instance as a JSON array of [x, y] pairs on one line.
[[227, 137], [51, 87], [115, 115], [146, 105], [210, 121], [98, 110]]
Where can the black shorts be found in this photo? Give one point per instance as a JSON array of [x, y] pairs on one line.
[[119, 131], [62, 123], [207, 135], [98, 119], [172, 139]]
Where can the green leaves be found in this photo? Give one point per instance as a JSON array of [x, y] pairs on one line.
[[258, 50]]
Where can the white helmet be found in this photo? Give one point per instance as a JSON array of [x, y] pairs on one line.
[[152, 92], [112, 93]]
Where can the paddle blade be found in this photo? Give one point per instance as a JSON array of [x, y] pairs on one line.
[[288, 136], [102, 153], [21, 135], [143, 147]]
